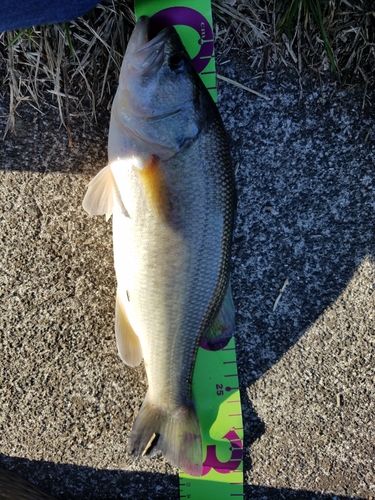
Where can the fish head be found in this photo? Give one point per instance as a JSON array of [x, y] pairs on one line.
[[159, 102]]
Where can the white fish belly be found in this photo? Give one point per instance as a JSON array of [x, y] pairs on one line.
[[166, 278]]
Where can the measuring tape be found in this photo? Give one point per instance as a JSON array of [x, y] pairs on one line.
[[193, 22], [217, 398], [215, 380]]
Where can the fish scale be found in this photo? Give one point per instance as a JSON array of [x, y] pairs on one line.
[[198, 290]]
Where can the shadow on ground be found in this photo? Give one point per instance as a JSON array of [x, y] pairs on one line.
[[70, 482]]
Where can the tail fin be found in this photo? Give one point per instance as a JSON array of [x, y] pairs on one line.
[[176, 433]]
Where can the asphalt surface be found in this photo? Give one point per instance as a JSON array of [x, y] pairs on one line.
[[305, 165]]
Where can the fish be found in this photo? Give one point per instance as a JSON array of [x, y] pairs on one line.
[[169, 187]]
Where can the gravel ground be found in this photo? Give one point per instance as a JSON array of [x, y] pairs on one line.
[[304, 164]]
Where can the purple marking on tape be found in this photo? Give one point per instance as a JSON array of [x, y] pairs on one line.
[[216, 344], [186, 16], [208, 346], [236, 449]]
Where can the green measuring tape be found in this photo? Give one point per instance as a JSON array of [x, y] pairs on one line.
[[215, 380], [193, 22], [217, 398]]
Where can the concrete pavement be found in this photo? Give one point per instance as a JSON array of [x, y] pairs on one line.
[[304, 166]]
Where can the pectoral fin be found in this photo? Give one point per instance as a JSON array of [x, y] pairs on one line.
[[101, 195], [222, 328], [128, 344], [155, 188]]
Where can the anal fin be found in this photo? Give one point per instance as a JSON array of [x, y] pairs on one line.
[[128, 344]]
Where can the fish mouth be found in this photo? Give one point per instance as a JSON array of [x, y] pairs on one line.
[[146, 52]]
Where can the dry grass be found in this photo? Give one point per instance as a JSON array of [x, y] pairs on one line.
[[74, 66], [270, 33]]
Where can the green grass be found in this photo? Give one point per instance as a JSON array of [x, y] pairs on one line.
[[293, 10]]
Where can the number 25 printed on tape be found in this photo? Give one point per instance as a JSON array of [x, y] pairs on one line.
[[217, 397]]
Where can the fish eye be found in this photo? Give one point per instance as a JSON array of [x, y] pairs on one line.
[[176, 62]]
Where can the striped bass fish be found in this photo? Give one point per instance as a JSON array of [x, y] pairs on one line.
[[169, 188]]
